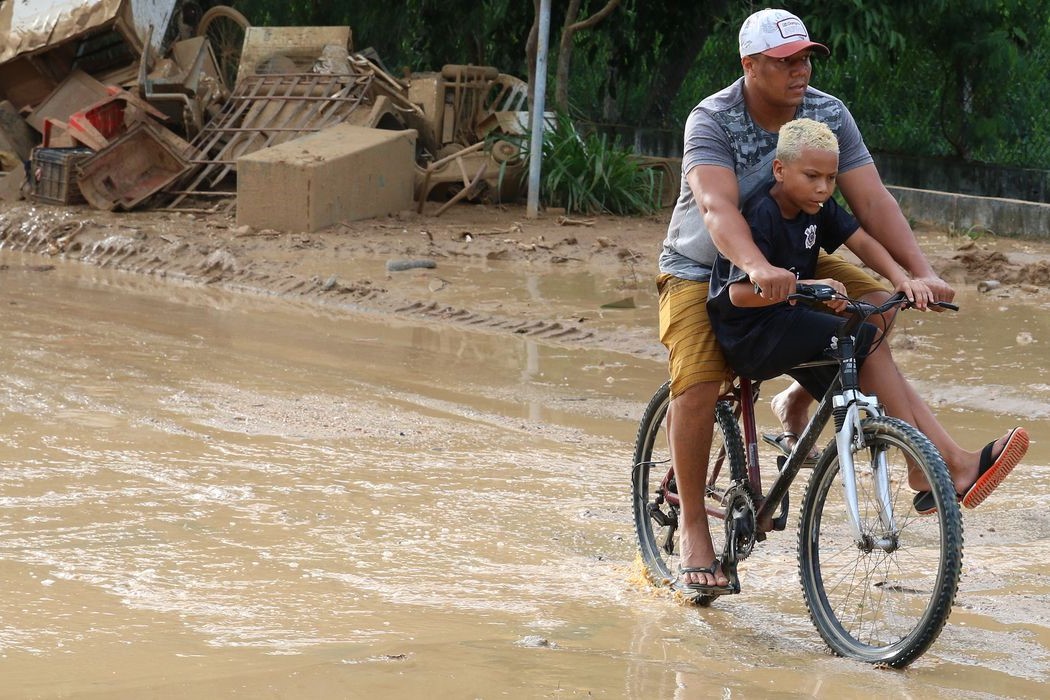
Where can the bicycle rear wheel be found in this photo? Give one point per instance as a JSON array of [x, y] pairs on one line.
[[654, 492], [880, 604]]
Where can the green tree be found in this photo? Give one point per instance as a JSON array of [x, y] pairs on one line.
[[933, 75], [975, 45], [572, 26]]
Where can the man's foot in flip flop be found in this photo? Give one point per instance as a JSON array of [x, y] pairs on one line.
[[924, 503], [990, 473], [714, 571]]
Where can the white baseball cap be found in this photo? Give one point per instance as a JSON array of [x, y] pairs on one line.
[[775, 33]]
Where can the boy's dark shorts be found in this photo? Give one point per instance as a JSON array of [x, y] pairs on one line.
[[694, 354]]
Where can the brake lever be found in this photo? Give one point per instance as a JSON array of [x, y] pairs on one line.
[[941, 304], [814, 292]]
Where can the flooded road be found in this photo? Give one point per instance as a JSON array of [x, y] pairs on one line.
[[213, 495]]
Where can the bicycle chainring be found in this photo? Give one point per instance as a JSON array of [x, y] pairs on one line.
[[740, 523]]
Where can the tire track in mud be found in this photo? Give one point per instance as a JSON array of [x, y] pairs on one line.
[[219, 262], [207, 250], [551, 330]]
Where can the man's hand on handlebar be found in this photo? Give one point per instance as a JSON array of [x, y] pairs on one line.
[[941, 290], [918, 292], [773, 283]]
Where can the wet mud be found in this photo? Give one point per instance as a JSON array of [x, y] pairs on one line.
[[234, 479]]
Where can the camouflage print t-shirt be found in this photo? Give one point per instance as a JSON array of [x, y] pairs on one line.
[[719, 131]]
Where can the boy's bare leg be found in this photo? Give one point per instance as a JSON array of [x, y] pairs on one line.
[[880, 375], [962, 464], [691, 420]]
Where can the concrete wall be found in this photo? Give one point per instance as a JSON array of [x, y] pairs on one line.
[[960, 212], [951, 175]]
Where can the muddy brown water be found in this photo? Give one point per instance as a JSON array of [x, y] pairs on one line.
[[206, 494]]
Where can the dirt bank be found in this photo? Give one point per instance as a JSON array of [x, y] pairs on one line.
[[358, 265]]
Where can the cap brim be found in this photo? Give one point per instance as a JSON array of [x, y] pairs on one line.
[[785, 50]]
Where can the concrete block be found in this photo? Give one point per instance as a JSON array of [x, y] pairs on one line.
[[342, 173]]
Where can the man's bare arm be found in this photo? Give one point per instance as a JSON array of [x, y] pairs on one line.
[[717, 196], [881, 216]]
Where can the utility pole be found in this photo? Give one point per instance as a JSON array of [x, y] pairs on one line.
[[539, 100]]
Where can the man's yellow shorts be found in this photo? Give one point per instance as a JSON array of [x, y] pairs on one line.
[[685, 330]]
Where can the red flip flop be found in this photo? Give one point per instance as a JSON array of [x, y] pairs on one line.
[[992, 472]]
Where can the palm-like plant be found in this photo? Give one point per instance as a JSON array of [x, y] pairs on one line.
[[584, 173]]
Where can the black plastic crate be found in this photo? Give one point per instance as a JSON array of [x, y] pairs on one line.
[[54, 174]]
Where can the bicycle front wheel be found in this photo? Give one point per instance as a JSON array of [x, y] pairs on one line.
[[885, 596]]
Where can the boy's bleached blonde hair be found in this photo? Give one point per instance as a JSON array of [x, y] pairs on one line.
[[799, 134]]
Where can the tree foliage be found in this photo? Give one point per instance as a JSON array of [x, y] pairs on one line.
[[969, 49], [646, 64]]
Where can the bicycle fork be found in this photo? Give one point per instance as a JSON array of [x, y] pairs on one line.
[[849, 439]]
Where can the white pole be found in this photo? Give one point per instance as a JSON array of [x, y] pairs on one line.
[[538, 107]]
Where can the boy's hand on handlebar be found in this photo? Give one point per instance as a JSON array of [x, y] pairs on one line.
[[836, 304]]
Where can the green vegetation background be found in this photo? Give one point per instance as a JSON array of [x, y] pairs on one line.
[[965, 79]]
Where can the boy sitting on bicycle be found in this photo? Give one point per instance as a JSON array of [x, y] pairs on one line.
[[762, 339]]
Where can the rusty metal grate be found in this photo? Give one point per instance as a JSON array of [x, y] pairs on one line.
[[264, 111]]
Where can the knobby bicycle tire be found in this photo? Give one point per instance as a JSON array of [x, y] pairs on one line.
[[881, 605], [656, 520]]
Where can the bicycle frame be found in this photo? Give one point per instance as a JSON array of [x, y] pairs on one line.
[[743, 394], [846, 402]]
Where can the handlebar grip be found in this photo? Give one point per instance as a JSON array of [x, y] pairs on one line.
[[819, 292], [942, 304]]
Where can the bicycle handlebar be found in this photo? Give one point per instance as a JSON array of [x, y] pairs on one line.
[[822, 292]]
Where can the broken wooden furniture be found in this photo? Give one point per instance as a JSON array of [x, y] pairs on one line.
[[466, 109], [96, 125], [267, 110], [42, 41], [472, 173], [274, 50]]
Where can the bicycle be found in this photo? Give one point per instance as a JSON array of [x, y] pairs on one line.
[[879, 579]]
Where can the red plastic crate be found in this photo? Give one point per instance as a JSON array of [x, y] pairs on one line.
[[107, 117]]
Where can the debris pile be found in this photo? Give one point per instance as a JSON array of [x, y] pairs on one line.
[[124, 104]]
